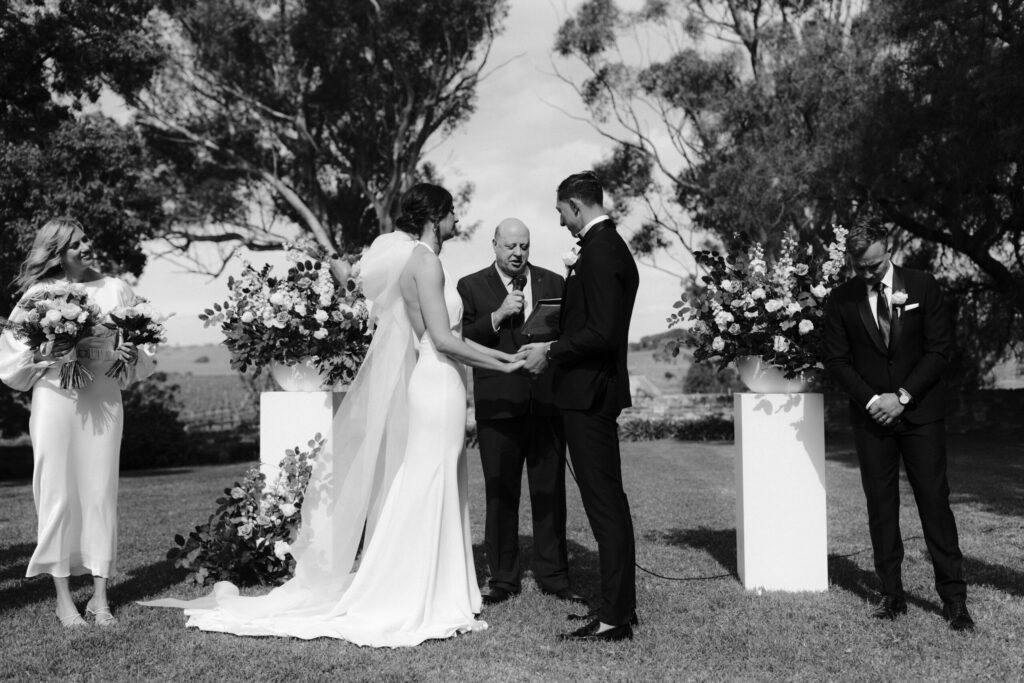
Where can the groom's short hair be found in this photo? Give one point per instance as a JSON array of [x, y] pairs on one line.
[[866, 231], [583, 186]]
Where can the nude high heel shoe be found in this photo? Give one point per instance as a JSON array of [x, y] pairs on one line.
[[101, 614]]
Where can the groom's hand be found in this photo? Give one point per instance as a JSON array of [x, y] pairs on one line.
[[886, 410], [536, 357]]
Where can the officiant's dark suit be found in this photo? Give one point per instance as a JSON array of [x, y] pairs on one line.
[[887, 349], [517, 422], [591, 384]]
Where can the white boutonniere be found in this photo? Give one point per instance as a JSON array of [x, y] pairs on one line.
[[899, 297], [570, 257]]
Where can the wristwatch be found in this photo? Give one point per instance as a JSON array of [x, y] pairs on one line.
[[905, 397]]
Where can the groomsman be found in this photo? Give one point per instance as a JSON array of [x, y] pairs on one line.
[[517, 421], [887, 338], [591, 384]]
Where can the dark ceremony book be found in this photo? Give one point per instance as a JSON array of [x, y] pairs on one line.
[[542, 325]]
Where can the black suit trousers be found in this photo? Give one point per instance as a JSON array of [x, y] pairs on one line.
[[593, 440], [923, 451], [505, 444]]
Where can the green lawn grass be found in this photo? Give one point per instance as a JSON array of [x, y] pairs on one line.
[[682, 497]]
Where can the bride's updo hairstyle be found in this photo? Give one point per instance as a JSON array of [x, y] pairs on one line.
[[423, 203], [43, 258]]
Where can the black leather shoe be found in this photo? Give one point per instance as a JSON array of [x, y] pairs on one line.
[[589, 633], [958, 617], [589, 616], [567, 595], [498, 595], [890, 607]]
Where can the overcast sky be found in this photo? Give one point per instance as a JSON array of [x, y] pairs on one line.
[[515, 149]]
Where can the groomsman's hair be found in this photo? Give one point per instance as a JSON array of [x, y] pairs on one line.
[[866, 231], [582, 186]]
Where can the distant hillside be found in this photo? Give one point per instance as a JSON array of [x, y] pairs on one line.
[[208, 359]]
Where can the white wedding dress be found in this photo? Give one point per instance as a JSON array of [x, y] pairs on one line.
[[397, 462]]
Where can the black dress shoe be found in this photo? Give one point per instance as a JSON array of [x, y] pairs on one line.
[[567, 595], [589, 633], [589, 616], [890, 607], [957, 615], [498, 595]]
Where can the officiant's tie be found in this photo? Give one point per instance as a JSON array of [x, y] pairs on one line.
[[882, 313]]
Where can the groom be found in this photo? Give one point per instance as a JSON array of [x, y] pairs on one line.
[[591, 385], [887, 338]]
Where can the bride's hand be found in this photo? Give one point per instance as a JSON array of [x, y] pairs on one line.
[[514, 366], [518, 355]]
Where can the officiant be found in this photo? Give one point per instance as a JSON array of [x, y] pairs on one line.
[[517, 421]]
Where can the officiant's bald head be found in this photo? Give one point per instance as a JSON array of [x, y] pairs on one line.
[[511, 246]]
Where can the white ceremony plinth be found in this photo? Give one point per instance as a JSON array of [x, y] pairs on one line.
[[781, 526], [291, 418]]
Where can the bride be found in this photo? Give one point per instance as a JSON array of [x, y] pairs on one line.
[[397, 463]]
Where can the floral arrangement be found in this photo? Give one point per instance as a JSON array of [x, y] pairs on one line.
[[248, 538], [303, 315], [752, 308], [58, 314], [136, 324]]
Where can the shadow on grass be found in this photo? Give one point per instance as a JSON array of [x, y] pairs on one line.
[[137, 474], [135, 584], [720, 544], [1004, 579]]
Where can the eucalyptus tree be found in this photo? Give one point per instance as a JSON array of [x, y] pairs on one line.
[[313, 114]]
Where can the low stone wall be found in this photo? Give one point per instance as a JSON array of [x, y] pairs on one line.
[[978, 410]]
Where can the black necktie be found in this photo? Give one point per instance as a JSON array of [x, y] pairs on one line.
[[882, 311]]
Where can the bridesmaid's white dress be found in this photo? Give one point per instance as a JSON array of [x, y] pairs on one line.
[[76, 444], [415, 579]]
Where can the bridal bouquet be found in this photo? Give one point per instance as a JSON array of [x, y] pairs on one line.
[[58, 314], [136, 324], [303, 315], [750, 307]]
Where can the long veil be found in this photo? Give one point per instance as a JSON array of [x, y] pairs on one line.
[[348, 485]]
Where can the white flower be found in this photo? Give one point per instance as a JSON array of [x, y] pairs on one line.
[[793, 308], [287, 509], [237, 493], [718, 344], [899, 297], [281, 548], [300, 308], [786, 324], [734, 328], [245, 531], [247, 317], [71, 311], [805, 326], [321, 315], [757, 265], [83, 316], [801, 269], [772, 305], [722, 319], [53, 315], [780, 344], [570, 257], [737, 303], [819, 291], [729, 286], [758, 293], [278, 299], [321, 333]]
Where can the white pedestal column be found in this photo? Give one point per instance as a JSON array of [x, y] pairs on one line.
[[781, 525], [291, 418]]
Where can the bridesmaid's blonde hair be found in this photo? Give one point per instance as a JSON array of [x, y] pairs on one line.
[[43, 258]]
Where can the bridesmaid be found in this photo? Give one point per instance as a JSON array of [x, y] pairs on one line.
[[76, 434]]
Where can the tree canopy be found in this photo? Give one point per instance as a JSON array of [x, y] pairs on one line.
[[761, 118]]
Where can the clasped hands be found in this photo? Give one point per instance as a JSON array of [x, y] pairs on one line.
[[886, 410], [536, 357]]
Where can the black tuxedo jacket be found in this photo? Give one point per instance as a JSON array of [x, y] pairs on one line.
[[589, 357], [495, 394], [921, 344]]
